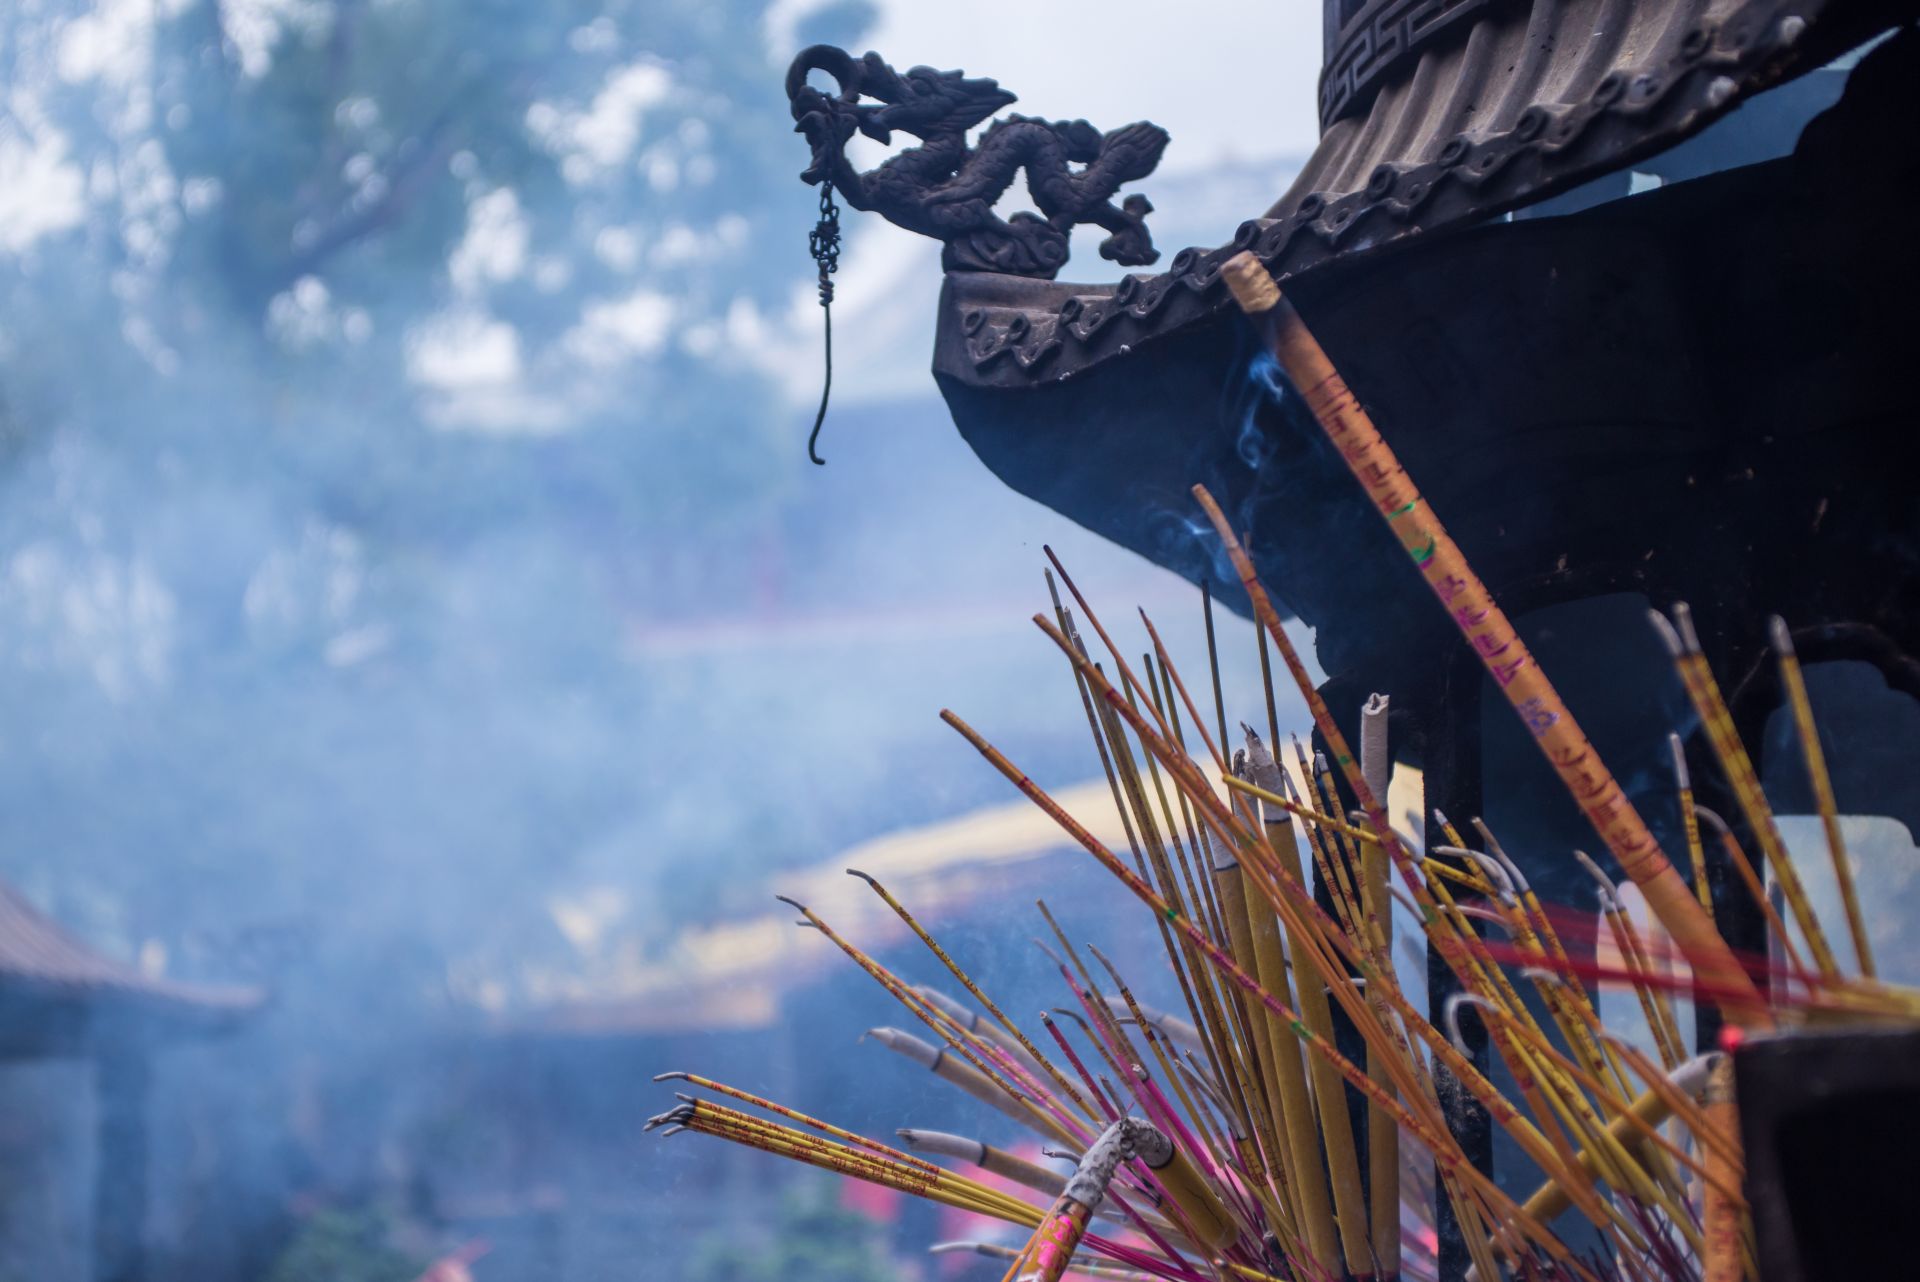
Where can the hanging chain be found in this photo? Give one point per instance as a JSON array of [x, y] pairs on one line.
[[824, 244]]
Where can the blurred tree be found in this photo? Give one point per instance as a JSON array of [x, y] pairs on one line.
[[813, 1239], [369, 368], [344, 1246]]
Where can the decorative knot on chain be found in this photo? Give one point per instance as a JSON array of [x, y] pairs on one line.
[[824, 244]]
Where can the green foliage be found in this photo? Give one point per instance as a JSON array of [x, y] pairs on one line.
[[813, 1239], [344, 1246]]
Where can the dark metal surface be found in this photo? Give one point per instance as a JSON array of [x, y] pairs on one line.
[[1690, 395], [1829, 1122], [1369, 42], [946, 189]]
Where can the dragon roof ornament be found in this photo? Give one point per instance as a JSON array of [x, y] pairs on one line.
[[946, 189]]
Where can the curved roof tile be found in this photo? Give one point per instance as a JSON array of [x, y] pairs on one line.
[[1521, 102]]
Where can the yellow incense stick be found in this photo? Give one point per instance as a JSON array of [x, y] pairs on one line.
[[1816, 762], [1256, 945], [1312, 816], [1690, 823], [966, 982], [1447, 1155], [1750, 879], [1704, 691]]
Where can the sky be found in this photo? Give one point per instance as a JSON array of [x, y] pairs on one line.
[[1229, 79]]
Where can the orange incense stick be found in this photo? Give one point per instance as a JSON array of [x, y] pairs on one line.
[[1724, 1255], [1487, 630]]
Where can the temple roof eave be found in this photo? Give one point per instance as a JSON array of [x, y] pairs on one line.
[[1426, 155]]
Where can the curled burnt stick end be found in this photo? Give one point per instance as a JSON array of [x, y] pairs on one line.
[[1683, 778], [1123, 1141], [946, 189], [992, 1160], [1051, 1249], [678, 1116], [1172, 1027], [943, 1144], [1496, 873], [922, 1053], [958, 1072], [1515, 878]]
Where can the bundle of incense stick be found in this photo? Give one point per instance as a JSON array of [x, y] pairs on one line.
[[1218, 1141]]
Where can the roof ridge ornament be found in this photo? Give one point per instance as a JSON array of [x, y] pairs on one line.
[[945, 189]]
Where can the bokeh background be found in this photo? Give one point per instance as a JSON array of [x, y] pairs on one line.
[[415, 604]]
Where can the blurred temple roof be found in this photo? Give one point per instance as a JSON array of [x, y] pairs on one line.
[[731, 975], [59, 996]]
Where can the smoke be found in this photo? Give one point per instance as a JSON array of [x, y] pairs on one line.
[[1190, 547], [1270, 388], [414, 600]]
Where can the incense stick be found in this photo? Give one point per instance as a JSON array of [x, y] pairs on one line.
[[1704, 691], [1258, 1178], [1485, 627], [1815, 759]]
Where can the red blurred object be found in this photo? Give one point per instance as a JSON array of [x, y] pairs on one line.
[[456, 1265], [877, 1203]]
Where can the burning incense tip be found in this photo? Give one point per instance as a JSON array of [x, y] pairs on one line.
[[1266, 771], [1250, 283], [1711, 819], [1782, 639], [1074, 1016], [855, 872], [1490, 866], [943, 1144], [1683, 620], [1679, 753], [1452, 1016], [1515, 876], [921, 1053], [670, 1077], [1667, 635], [1609, 899]]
